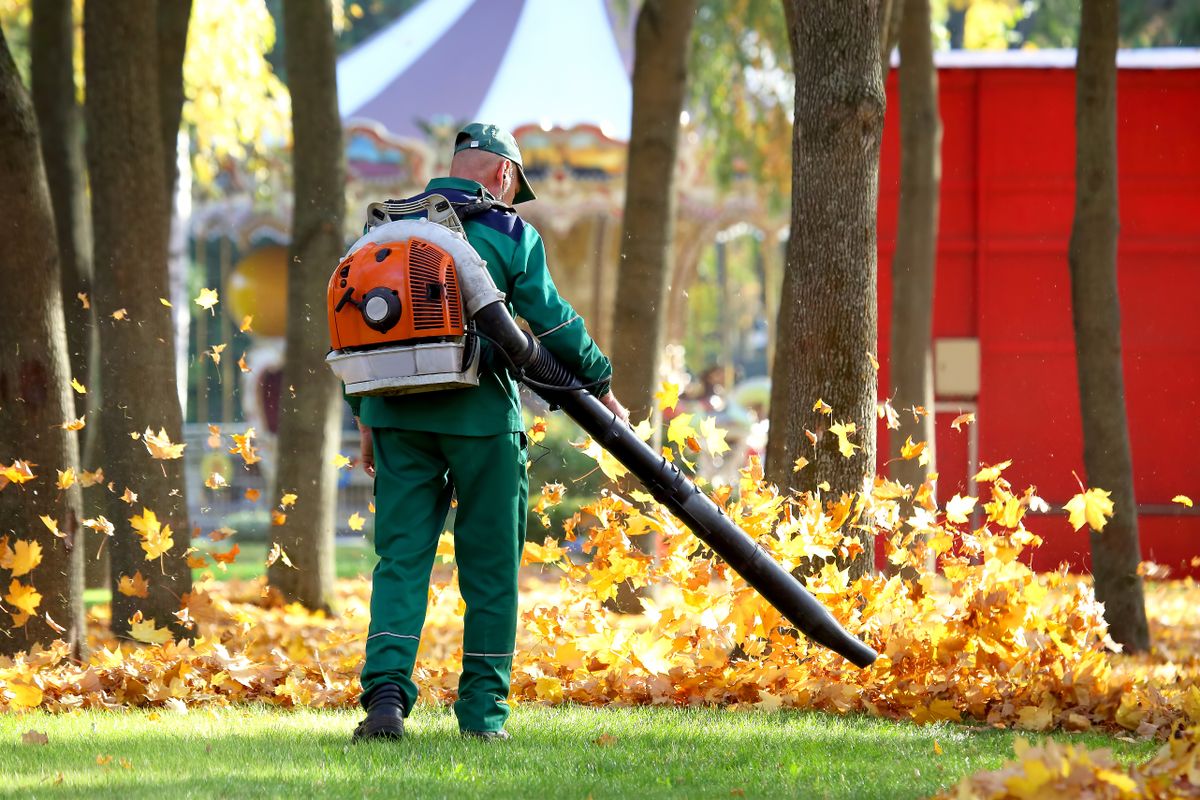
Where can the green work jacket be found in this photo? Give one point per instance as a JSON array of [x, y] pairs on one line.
[[516, 259]]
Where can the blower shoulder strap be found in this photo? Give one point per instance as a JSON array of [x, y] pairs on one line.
[[435, 207]]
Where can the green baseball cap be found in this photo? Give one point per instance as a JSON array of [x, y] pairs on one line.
[[496, 140]]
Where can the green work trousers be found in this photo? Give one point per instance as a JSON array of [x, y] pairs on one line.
[[415, 475]]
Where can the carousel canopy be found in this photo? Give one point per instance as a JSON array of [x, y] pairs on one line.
[[512, 62]]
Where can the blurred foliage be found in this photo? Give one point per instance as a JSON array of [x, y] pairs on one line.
[[746, 124]]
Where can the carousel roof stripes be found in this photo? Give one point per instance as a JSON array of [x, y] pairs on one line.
[[511, 62]]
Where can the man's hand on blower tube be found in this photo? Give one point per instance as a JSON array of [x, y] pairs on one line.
[[366, 449], [611, 402]]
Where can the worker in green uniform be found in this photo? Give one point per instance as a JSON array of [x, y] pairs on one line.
[[422, 448]]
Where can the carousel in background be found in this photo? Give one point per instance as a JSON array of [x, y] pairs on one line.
[[555, 74]]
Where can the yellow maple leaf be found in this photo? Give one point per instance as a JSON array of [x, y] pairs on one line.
[[74, 424], [25, 598], [667, 396], [207, 299], [612, 469], [66, 478], [78, 387], [129, 496], [244, 446], [1092, 507], [144, 630], [714, 437], [961, 420], [911, 449], [26, 554], [160, 445], [800, 464], [340, 461], [537, 431], [83, 299], [988, 474], [277, 554], [843, 430], [278, 517], [120, 314], [958, 508], [165, 302], [92, 478], [135, 586], [156, 537], [215, 352], [100, 524], [18, 472], [216, 481], [51, 525], [822, 406], [25, 695], [356, 521], [241, 363], [1182, 499], [246, 320], [288, 500], [885, 411], [679, 429]]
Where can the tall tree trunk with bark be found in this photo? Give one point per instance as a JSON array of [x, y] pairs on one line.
[[914, 260], [309, 422], [1097, 314], [130, 222], [828, 319], [60, 122], [35, 393], [659, 83]]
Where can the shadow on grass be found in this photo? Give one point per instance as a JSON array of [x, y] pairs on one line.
[[556, 752]]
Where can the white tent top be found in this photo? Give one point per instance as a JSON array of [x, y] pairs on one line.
[[1147, 58], [510, 62]]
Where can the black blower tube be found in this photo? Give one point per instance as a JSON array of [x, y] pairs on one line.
[[669, 486]]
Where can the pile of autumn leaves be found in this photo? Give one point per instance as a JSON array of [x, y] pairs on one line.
[[987, 640]]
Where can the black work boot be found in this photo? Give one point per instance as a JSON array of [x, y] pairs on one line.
[[385, 714]]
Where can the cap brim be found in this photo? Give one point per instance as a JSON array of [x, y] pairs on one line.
[[525, 191]]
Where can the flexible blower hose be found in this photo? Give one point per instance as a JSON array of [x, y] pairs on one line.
[[668, 485]]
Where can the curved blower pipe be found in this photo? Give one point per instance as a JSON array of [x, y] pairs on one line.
[[667, 484]]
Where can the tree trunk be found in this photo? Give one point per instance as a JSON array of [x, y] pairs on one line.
[[1097, 315], [60, 122], [130, 222], [309, 422], [35, 392], [914, 260], [891, 15], [173, 16], [828, 318], [659, 83]]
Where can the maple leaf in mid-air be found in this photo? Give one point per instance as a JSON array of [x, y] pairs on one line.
[[207, 299], [156, 538], [244, 446], [246, 320], [25, 598], [961, 420], [22, 558], [18, 472], [958, 508], [989, 474], [822, 407], [78, 387], [1092, 507], [843, 430], [714, 437], [667, 396], [135, 586], [356, 521], [160, 445]]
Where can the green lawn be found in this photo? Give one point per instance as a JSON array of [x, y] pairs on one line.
[[353, 559], [568, 752]]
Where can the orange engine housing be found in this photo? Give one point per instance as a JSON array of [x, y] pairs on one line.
[[419, 274]]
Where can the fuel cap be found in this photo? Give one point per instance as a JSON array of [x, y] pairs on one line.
[[381, 309]]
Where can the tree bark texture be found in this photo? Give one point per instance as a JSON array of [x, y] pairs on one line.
[[130, 223], [60, 123], [173, 16], [35, 392], [828, 318], [1097, 316], [309, 422], [659, 83], [891, 15], [915, 256]]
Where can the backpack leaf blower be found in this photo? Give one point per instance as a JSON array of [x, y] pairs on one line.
[[405, 306]]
